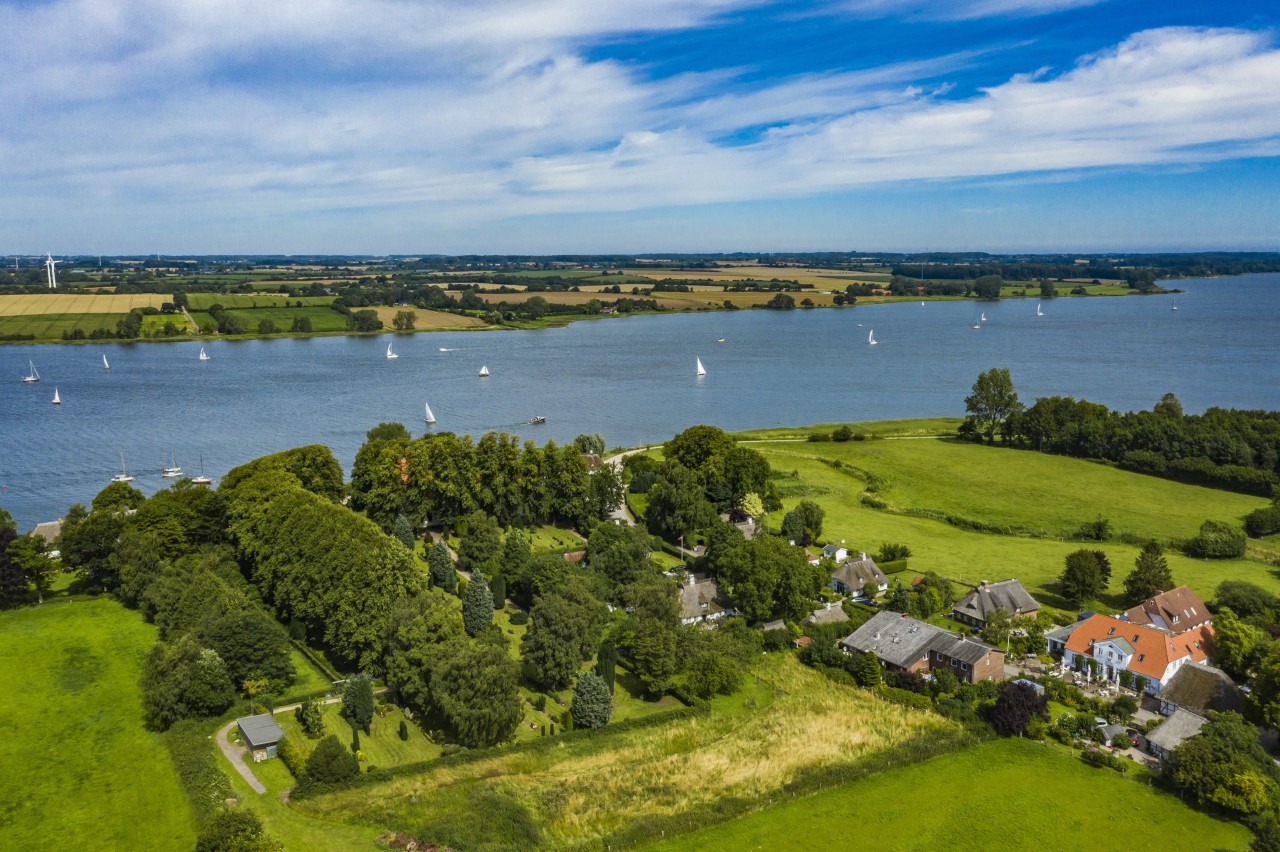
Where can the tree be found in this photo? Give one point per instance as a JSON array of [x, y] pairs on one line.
[[605, 493], [481, 544], [606, 663], [182, 681], [252, 644], [117, 497], [564, 630], [592, 704], [899, 598], [29, 553], [387, 432], [696, 446], [266, 326], [1224, 765], [476, 689], [1264, 699], [653, 654], [357, 701], [1169, 406], [1081, 578], [1238, 647], [309, 718], [331, 763], [868, 671], [1047, 290], [592, 443], [751, 505], [1016, 705], [803, 524], [403, 531], [1247, 600], [418, 634], [997, 628], [678, 505], [1150, 574], [404, 320], [620, 553], [988, 287], [236, 830], [1218, 540], [516, 551], [477, 604], [440, 568], [992, 403]]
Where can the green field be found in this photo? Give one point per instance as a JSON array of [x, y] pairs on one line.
[[79, 770], [204, 301], [322, 318], [382, 746], [1008, 794], [51, 326], [999, 486]]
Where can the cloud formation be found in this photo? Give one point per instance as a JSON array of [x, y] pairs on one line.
[[205, 112]]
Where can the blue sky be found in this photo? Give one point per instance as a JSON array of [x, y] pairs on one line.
[[548, 126]]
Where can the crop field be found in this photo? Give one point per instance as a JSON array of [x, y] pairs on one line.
[[51, 326], [1003, 487], [430, 320], [79, 770], [204, 301], [787, 722], [322, 318], [1007, 794], [44, 304], [831, 279]]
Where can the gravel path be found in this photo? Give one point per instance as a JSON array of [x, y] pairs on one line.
[[235, 753]]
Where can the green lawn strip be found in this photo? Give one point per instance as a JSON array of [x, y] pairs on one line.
[[1005, 794], [79, 769], [909, 427], [382, 746], [51, 326], [970, 557], [309, 679], [554, 538], [322, 318], [204, 301]]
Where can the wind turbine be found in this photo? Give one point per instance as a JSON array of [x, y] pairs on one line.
[[51, 268]]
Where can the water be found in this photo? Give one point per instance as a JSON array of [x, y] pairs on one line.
[[632, 380]]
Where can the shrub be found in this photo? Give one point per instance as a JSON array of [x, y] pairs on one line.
[[1101, 758], [519, 617], [905, 697], [404, 730], [592, 701], [1098, 529], [819, 437], [1217, 540], [232, 830], [331, 762], [892, 552], [842, 434], [1262, 522], [292, 757], [309, 717]]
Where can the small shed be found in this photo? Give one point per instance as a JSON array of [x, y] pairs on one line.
[[260, 734]]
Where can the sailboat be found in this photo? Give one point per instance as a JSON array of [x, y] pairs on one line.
[[57, 400], [977, 325], [1175, 303], [33, 376], [430, 418], [203, 355], [123, 475], [172, 470], [984, 317], [871, 338], [105, 365], [201, 479], [484, 372], [391, 356], [1039, 312], [701, 371]]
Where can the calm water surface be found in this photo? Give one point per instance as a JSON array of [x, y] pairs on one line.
[[632, 380]]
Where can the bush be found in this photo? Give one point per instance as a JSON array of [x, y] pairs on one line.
[[331, 763], [1102, 758], [842, 434], [519, 617], [892, 552], [592, 702], [235, 830], [404, 730], [292, 757], [905, 697], [1262, 522], [1217, 540]]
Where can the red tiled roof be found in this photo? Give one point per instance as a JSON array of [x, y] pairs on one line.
[[1154, 651], [1160, 610]]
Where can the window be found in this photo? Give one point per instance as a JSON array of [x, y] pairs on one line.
[[1141, 657], [1111, 632], [964, 667], [953, 664], [1175, 619]]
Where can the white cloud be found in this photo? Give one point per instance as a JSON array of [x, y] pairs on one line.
[[193, 114]]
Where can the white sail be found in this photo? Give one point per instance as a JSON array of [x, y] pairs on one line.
[[984, 317], [203, 356], [33, 376], [105, 365], [123, 475], [871, 338], [1039, 312], [484, 372], [430, 418], [201, 479], [391, 356], [57, 400], [702, 371], [172, 470]]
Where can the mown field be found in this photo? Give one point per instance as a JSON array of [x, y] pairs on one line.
[[1012, 489], [43, 304], [617, 787], [204, 301], [1007, 794], [51, 326], [430, 320], [78, 769]]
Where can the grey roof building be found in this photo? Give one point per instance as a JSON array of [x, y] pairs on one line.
[[976, 607], [701, 600], [858, 576], [1174, 731], [1200, 688], [260, 734], [897, 640], [829, 614]]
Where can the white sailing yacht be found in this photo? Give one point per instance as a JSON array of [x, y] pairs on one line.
[[391, 356], [57, 400], [430, 418], [871, 338], [1039, 312], [1175, 303], [484, 372], [105, 365], [984, 317], [201, 479], [123, 475], [172, 470], [701, 370], [203, 355], [33, 376]]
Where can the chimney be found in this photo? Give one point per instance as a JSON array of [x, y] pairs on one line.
[[864, 554]]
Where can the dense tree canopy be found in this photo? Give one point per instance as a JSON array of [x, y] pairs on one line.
[[475, 688], [992, 404]]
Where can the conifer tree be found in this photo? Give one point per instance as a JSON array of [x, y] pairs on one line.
[[592, 701], [477, 605], [440, 567]]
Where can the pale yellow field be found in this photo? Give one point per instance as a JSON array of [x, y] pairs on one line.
[[678, 301], [77, 303], [821, 278], [429, 319]]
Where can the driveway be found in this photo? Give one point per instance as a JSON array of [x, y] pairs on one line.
[[235, 753]]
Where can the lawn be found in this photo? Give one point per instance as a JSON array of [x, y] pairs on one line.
[[382, 746], [1007, 794], [51, 326], [619, 786], [322, 318], [204, 301], [1055, 501], [79, 770]]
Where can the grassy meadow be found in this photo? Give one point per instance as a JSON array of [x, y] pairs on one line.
[[1006, 794], [616, 787], [79, 770], [1038, 497], [51, 326]]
